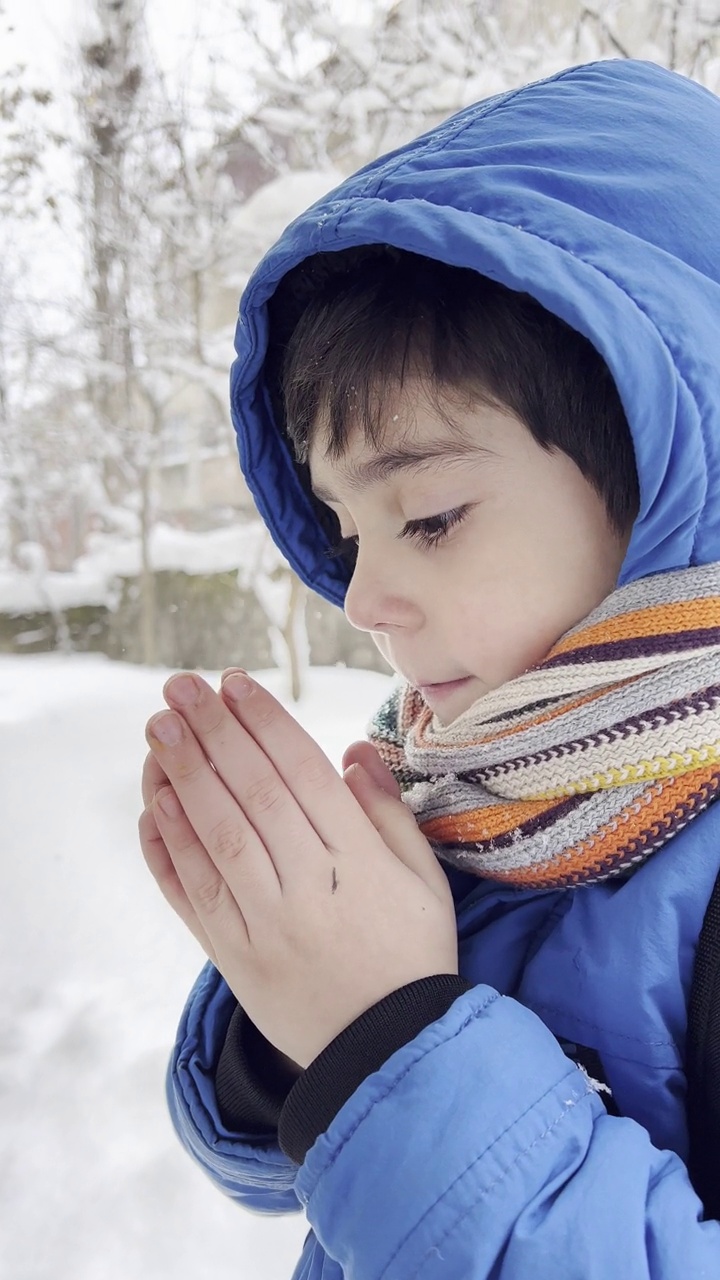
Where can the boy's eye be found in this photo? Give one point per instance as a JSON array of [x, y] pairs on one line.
[[428, 532], [433, 529]]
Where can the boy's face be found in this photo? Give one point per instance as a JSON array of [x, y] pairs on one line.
[[477, 549]]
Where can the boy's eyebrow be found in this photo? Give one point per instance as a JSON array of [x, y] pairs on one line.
[[358, 475]]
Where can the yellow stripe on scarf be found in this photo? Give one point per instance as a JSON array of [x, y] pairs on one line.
[[672, 766]]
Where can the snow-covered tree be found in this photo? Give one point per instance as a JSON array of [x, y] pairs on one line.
[[32, 325], [153, 219], [24, 133], [282, 598], [337, 91]]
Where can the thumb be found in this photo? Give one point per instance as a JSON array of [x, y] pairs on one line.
[[365, 754], [397, 827]]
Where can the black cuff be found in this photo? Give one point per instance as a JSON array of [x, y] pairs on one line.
[[359, 1050], [251, 1080]]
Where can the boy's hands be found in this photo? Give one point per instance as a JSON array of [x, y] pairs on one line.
[[314, 895]]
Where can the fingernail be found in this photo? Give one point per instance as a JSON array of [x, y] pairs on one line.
[[184, 689], [167, 729], [361, 774], [169, 803], [237, 685]]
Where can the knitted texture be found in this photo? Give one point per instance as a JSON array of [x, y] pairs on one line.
[[582, 767]]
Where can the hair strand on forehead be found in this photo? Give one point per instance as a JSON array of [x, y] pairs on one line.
[[371, 321]]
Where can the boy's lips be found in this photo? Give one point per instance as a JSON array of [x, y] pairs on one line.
[[444, 689]]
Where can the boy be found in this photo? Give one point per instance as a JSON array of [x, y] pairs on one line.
[[488, 364]]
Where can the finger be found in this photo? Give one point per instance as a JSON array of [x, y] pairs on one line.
[[365, 754], [276, 820], [161, 868], [300, 763], [223, 830], [215, 907], [153, 777], [397, 827]]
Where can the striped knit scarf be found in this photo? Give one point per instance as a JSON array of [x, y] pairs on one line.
[[582, 767]]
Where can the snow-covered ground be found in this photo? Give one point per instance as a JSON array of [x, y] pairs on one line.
[[94, 969]]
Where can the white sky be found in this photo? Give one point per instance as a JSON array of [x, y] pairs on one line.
[[180, 30], [43, 29]]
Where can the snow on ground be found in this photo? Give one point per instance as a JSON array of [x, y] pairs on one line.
[[94, 970]]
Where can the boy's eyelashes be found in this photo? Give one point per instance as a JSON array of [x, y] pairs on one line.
[[427, 532], [432, 529]]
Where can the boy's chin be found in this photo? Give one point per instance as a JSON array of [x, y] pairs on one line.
[[445, 719], [448, 709]]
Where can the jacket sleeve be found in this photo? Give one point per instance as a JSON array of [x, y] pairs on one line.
[[477, 1151], [250, 1168], [480, 1152]]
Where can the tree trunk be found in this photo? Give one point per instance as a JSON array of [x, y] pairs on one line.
[[295, 635], [148, 592]]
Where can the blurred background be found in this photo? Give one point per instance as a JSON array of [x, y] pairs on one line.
[[150, 151]]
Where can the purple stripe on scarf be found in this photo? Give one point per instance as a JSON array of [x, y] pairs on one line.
[[638, 850], [639, 646], [704, 699], [525, 830], [683, 812], [645, 722]]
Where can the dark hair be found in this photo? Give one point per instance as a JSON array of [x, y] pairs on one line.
[[364, 320]]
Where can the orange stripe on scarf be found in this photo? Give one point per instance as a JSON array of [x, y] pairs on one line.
[[655, 808], [485, 824], [662, 619]]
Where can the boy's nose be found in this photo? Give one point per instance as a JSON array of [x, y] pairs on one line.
[[376, 601]]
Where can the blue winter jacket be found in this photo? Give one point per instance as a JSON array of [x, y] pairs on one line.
[[479, 1150]]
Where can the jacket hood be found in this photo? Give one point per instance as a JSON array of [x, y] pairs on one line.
[[597, 192]]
